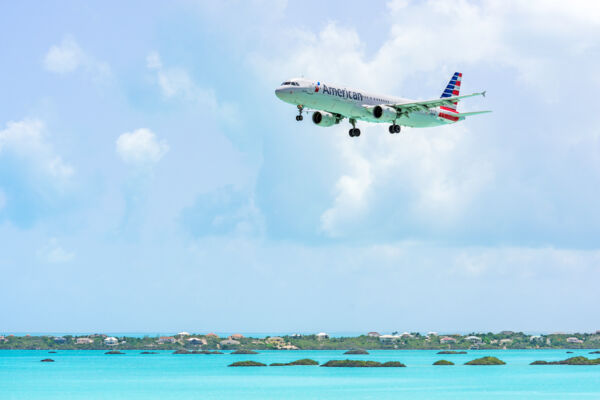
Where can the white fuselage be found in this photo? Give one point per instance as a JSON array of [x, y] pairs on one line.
[[354, 103]]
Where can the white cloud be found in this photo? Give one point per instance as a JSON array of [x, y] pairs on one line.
[[65, 57], [26, 139], [176, 83], [68, 57], [54, 253], [141, 147]]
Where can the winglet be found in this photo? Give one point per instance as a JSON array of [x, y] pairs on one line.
[[483, 93]]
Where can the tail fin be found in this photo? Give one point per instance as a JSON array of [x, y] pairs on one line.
[[453, 89]]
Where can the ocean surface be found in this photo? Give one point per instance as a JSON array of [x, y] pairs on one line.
[[90, 374]]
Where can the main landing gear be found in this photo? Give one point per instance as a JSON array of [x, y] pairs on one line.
[[299, 117], [354, 132], [394, 129]]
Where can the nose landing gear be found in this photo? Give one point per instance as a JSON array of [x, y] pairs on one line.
[[299, 117]]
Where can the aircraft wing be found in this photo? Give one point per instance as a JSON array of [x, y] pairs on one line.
[[427, 104]]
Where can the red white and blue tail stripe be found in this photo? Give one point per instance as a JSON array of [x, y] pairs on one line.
[[453, 89]]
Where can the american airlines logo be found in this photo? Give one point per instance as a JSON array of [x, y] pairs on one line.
[[348, 94]]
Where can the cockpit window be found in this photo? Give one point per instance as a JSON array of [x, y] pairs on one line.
[[287, 83]]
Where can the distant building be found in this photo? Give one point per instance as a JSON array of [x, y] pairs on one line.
[[507, 333], [322, 335], [3, 339], [183, 334], [407, 334], [505, 341], [574, 340], [373, 334], [211, 335], [535, 338], [447, 339], [196, 341], [84, 340], [59, 339], [229, 342], [166, 339], [236, 336], [297, 335], [388, 338], [111, 341], [473, 339], [275, 339]]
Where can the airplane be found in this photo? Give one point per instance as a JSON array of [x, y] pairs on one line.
[[330, 104]]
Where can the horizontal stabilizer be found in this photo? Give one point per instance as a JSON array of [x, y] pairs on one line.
[[468, 114]]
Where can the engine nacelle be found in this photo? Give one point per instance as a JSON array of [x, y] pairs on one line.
[[324, 119], [385, 113]]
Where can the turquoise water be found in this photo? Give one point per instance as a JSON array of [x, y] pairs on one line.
[[81, 374]]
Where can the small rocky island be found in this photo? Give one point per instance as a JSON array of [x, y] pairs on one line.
[[47, 360], [148, 352], [304, 361], [443, 362], [184, 351], [595, 352], [357, 351], [243, 351], [247, 364], [361, 364], [451, 352], [579, 360], [114, 352], [486, 361]]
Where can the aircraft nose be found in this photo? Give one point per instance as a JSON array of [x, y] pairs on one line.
[[279, 92]]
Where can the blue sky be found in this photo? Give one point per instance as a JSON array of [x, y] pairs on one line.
[[151, 181]]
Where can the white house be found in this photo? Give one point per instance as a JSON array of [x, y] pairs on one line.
[[373, 334], [388, 338], [183, 334], [111, 341], [574, 340], [196, 341], [473, 339], [322, 335], [84, 340]]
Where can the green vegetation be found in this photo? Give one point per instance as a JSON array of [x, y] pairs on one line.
[[242, 351], [304, 361], [414, 340], [357, 351], [579, 360], [361, 364], [451, 352], [486, 361], [443, 362], [247, 364]]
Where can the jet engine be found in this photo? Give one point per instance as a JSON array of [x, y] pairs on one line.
[[385, 113], [324, 119]]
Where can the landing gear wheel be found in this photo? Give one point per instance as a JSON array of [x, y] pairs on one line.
[[396, 128], [391, 129], [354, 132], [299, 117]]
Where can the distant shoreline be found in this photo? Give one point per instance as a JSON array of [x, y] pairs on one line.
[[505, 340]]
